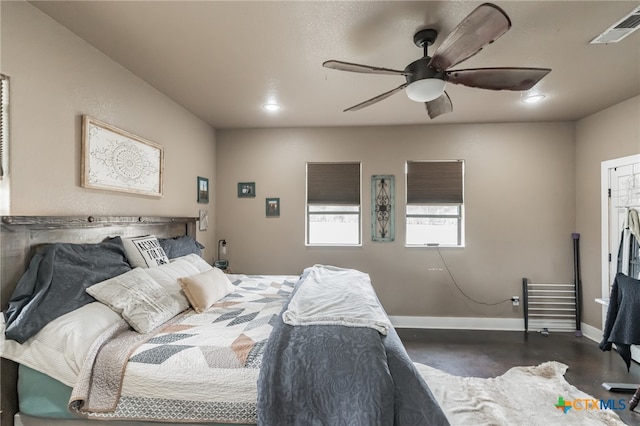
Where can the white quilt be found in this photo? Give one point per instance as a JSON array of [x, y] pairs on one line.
[[199, 367], [336, 296]]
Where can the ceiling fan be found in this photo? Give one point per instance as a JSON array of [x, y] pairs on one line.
[[426, 77]]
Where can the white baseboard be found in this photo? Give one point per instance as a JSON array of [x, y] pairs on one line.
[[596, 335], [592, 333], [470, 323], [460, 323]]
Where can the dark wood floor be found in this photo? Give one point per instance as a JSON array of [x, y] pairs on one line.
[[491, 353]]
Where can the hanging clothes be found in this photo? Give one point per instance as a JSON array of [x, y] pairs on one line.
[[628, 251], [634, 244], [634, 223], [622, 318]]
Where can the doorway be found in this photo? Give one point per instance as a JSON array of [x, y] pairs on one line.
[[620, 180]]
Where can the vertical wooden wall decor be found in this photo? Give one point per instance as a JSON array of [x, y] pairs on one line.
[[382, 208]]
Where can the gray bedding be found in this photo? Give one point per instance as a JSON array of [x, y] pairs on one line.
[[337, 375], [55, 282]]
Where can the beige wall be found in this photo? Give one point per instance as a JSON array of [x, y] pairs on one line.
[[55, 79], [528, 186], [609, 134], [519, 200]]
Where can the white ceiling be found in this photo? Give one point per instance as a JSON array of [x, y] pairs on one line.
[[222, 60]]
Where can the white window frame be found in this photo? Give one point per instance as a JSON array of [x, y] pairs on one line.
[[335, 209], [4, 147], [459, 216]]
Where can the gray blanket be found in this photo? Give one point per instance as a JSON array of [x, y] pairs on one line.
[[336, 375], [623, 316], [55, 283]]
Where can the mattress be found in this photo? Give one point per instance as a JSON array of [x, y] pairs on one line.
[[22, 419], [40, 395], [43, 402]]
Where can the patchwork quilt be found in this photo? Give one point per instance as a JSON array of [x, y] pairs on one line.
[[198, 367]]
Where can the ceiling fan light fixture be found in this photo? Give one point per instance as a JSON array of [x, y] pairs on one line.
[[425, 90]]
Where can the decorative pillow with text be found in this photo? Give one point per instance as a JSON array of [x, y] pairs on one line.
[[141, 301], [144, 252]]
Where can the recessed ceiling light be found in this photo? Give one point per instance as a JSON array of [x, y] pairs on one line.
[[532, 99], [271, 107]]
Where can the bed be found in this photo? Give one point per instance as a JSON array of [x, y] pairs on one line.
[[147, 341]]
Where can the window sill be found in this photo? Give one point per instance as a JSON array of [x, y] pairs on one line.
[[433, 246], [331, 245]]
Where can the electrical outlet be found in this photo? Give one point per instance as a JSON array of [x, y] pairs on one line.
[[515, 300]]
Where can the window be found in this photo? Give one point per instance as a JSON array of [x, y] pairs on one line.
[[333, 204], [4, 145], [4, 128], [435, 209]]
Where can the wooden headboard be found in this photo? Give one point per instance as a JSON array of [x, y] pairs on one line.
[[21, 235]]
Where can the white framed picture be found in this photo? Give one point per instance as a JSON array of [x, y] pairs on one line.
[[116, 160]]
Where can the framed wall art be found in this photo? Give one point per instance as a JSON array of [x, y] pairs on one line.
[[382, 208], [116, 160], [246, 189], [203, 220], [272, 207], [203, 190]]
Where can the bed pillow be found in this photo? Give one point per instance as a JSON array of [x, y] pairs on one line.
[[206, 288], [55, 282], [167, 276], [141, 301], [199, 263], [60, 348], [144, 252], [180, 246]]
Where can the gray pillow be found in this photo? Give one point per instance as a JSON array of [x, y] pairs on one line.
[[55, 282], [180, 246]]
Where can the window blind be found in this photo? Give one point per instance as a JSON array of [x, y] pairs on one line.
[[333, 183], [434, 182]]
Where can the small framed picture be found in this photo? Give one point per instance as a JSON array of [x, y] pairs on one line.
[[203, 190], [246, 189], [203, 220], [273, 206]]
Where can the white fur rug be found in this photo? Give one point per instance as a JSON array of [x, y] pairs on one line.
[[521, 396]]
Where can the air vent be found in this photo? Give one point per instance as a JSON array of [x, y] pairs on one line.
[[620, 29]]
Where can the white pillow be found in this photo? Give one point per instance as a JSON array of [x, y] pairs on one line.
[[167, 276], [144, 252], [197, 261], [206, 288], [141, 301], [60, 348]]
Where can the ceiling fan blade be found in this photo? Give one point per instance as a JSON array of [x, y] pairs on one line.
[[498, 78], [378, 98], [367, 69], [481, 27], [439, 106]]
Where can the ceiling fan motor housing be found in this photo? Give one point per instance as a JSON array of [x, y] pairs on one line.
[[419, 70]]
